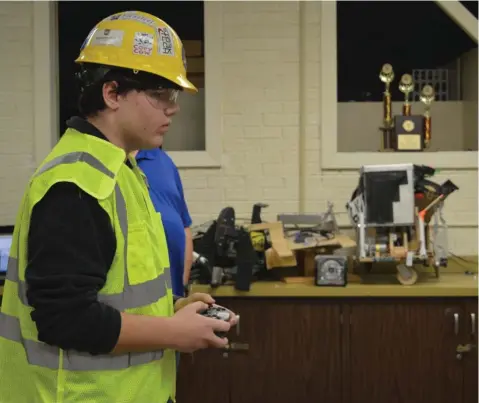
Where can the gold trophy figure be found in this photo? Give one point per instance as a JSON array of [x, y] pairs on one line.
[[387, 76], [406, 86], [427, 97]]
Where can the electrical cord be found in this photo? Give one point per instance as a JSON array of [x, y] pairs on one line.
[[460, 261]]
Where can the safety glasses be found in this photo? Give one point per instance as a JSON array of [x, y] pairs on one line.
[[163, 98]]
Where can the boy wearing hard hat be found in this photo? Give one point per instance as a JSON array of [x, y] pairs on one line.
[[88, 313]]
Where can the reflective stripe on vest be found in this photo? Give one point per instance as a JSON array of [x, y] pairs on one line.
[[132, 296], [47, 356]]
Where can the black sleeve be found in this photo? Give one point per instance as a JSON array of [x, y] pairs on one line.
[[71, 245]]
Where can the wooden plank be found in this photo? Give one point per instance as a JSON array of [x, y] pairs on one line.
[[340, 240], [195, 65], [193, 48]]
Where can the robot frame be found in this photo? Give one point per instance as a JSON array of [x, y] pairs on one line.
[[391, 211]]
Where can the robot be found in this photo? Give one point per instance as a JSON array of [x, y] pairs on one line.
[[226, 251], [391, 211]]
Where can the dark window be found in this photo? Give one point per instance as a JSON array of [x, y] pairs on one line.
[[408, 35], [76, 19]]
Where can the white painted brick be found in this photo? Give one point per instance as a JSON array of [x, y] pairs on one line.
[[227, 182], [270, 181], [290, 133], [290, 107], [281, 119], [279, 94], [16, 14], [285, 169], [16, 107], [312, 140], [264, 155], [254, 119], [22, 58], [196, 182], [312, 155], [231, 56], [239, 92], [250, 191], [260, 31], [232, 106], [19, 80], [280, 194], [262, 43], [272, 146], [236, 144], [206, 194], [263, 132]]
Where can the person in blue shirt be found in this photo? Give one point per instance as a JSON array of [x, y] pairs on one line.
[[166, 192]]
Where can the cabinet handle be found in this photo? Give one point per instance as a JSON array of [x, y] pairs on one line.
[[456, 324], [473, 324], [237, 346]]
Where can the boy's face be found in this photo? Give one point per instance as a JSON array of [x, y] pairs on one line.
[[144, 117]]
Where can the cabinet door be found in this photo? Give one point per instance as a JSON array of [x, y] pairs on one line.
[[470, 359], [403, 350], [203, 377], [294, 351]]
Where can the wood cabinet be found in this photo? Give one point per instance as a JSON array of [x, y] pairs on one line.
[[285, 369], [404, 351], [470, 360], [304, 350]]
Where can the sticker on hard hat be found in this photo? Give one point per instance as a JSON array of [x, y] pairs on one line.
[[143, 44], [87, 39], [107, 37], [165, 42], [183, 56], [132, 16]]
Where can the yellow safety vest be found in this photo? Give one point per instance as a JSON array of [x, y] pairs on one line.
[[138, 282]]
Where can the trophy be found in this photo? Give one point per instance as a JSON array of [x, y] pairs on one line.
[[406, 86], [387, 76], [427, 97]]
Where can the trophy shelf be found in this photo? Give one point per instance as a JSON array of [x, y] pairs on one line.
[[331, 159]]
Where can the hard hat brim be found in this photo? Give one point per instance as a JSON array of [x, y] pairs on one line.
[[179, 80]]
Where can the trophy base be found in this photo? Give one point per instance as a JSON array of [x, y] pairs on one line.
[[388, 144], [409, 133]]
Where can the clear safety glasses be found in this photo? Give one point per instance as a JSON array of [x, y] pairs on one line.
[[163, 98]]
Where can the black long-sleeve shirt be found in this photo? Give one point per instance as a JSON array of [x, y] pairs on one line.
[[71, 245]]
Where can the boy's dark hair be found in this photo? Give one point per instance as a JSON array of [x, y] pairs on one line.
[[92, 77]]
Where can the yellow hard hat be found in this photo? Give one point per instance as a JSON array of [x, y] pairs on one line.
[[138, 41]]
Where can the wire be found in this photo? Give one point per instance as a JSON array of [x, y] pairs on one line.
[[460, 259]]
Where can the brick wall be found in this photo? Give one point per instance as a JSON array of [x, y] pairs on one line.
[[260, 104], [16, 104], [262, 65]]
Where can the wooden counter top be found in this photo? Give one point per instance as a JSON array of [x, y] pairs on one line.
[[452, 283], [449, 285]]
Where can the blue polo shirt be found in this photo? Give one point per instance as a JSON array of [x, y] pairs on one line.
[[166, 191]]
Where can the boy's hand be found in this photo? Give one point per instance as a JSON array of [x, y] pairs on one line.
[[205, 298], [195, 297]]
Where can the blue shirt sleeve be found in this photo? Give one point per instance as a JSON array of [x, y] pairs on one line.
[[183, 208]]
